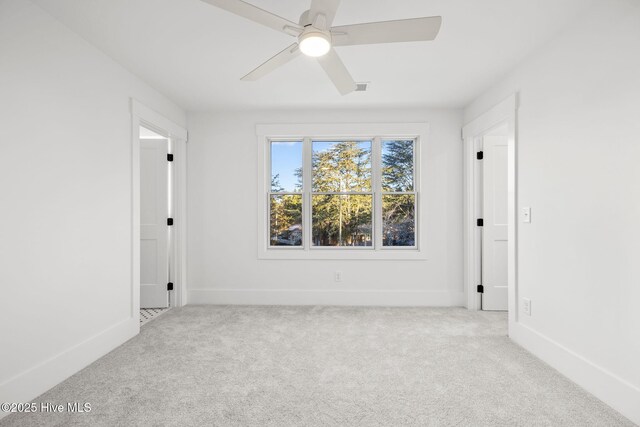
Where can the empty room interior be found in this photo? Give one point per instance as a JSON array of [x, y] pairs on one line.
[[320, 213]]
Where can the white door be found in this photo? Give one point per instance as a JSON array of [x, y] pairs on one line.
[[494, 230], [154, 231]]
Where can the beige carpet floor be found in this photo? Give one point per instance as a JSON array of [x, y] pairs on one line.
[[322, 366]]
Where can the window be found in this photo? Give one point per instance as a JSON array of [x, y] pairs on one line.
[[398, 195], [285, 199], [341, 194], [332, 197]]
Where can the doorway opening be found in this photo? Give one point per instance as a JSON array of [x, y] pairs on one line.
[[149, 314], [158, 214], [490, 210], [156, 191]]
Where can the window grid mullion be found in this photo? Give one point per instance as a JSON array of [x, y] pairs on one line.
[[306, 190], [384, 193], [376, 175], [343, 193]]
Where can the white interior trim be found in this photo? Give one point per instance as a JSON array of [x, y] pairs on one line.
[[29, 384], [179, 248], [157, 121], [606, 386], [135, 214], [326, 297], [142, 115], [266, 132], [503, 113], [492, 118], [341, 130]]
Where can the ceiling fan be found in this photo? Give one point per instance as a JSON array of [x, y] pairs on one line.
[[316, 37]]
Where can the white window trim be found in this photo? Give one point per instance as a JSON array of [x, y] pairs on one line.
[[269, 132]]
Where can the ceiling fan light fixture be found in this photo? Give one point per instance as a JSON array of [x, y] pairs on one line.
[[315, 33], [315, 43]]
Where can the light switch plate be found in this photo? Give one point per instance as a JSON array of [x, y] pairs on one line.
[[526, 214]]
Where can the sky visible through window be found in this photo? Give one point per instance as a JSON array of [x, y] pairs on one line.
[[286, 159]]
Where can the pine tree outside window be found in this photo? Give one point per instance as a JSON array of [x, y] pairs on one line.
[[341, 194]]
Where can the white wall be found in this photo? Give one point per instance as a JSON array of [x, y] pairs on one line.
[[65, 188], [223, 237], [579, 259]]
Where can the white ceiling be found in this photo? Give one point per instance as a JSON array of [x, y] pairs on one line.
[[195, 53]]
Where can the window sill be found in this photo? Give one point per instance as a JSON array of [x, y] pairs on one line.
[[342, 254]]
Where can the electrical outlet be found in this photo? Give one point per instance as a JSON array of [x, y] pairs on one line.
[[338, 276], [526, 306]]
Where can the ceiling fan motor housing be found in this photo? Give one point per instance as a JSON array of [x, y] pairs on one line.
[[314, 42], [304, 19]]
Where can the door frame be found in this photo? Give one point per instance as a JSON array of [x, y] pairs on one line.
[[499, 115], [142, 115]]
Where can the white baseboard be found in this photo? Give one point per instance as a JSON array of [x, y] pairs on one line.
[[621, 395], [325, 297], [30, 384]]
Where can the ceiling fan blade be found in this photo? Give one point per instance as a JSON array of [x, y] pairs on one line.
[[268, 66], [326, 7], [255, 14], [403, 30], [337, 72]]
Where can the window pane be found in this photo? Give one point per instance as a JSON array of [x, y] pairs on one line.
[[341, 166], [285, 213], [286, 166], [397, 165], [341, 220], [398, 220]]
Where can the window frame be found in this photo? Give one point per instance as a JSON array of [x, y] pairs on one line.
[[307, 133]]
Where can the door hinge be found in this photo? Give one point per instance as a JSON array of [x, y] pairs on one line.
[[480, 155], [170, 286], [480, 222], [170, 157], [480, 289], [169, 221]]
